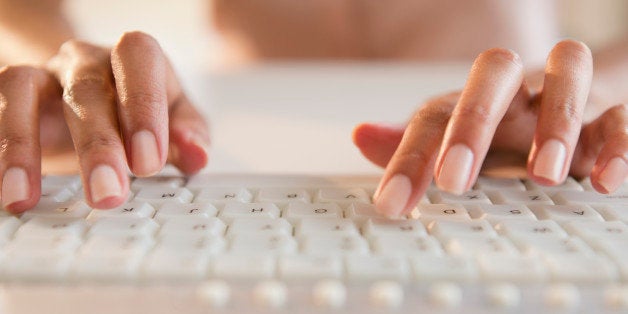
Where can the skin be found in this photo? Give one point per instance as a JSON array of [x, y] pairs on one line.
[[98, 98]]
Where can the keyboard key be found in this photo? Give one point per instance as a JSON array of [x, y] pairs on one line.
[[474, 246], [361, 212], [520, 229], [175, 266], [70, 209], [243, 267], [298, 210], [326, 245], [569, 185], [71, 182], [161, 195], [191, 244], [469, 197], [322, 226], [303, 267], [518, 269], [211, 226], [60, 244], [46, 227], [488, 183], [55, 194], [133, 209], [543, 246], [8, 226], [386, 294], [595, 233], [258, 244], [158, 182], [221, 196], [519, 197], [177, 211], [446, 229], [497, 213], [403, 228], [107, 268], [566, 213], [579, 270], [590, 198], [435, 268], [371, 268], [282, 196], [430, 212], [613, 212], [388, 245], [259, 226], [250, 210], [37, 267], [115, 245], [343, 197], [124, 226]]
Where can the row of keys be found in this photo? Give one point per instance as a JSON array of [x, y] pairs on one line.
[[388, 295]]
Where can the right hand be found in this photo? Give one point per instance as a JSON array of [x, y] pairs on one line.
[[120, 106]]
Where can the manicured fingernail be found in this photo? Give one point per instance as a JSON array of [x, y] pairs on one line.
[[550, 161], [145, 153], [393, 197], [613, 174], [200, 142], [104, 183], [456, 169], [15, 186]]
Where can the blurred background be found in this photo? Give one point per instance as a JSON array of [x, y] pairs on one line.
[[296, 117]]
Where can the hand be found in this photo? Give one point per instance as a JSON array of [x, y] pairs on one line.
[[543, 117], [119, 107]]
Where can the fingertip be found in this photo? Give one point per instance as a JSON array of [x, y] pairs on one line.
[[189, 151], [611, 176], [20, 189]]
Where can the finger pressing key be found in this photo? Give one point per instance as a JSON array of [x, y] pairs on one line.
[[568, 75], [495, 78], [90, 112], [22, 90]]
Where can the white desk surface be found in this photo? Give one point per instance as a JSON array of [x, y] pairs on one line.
[[298, 118]]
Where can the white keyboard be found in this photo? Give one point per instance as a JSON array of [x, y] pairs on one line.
[[297, 244]]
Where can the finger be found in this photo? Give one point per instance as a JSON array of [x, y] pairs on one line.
[[377, 142], [84, 72], [21, 91], [409, 172], [495, 79], [602, 150], [189, 137], [565, 90], [140, 71]]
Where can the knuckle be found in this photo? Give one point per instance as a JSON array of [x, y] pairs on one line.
[[435, 113], [84, 51], [480, 115], [98, 143], [11, 140], [85, 88], [17, 73], [501, 54], [414, 158], [566, 110]]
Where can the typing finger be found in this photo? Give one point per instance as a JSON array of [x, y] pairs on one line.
[[602, 151], [495, 78], [140, 71], [408, 174], [22, 89], [189, 137], [90, 112], [565, 90]]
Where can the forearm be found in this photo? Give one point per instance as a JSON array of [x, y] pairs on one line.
[[31, 31]]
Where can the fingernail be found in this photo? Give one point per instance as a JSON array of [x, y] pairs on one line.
[[15, 186], [393, 197], [613, 174], [200, 142], [456, 169], [145, 153], [550, 160], [104, 183]]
